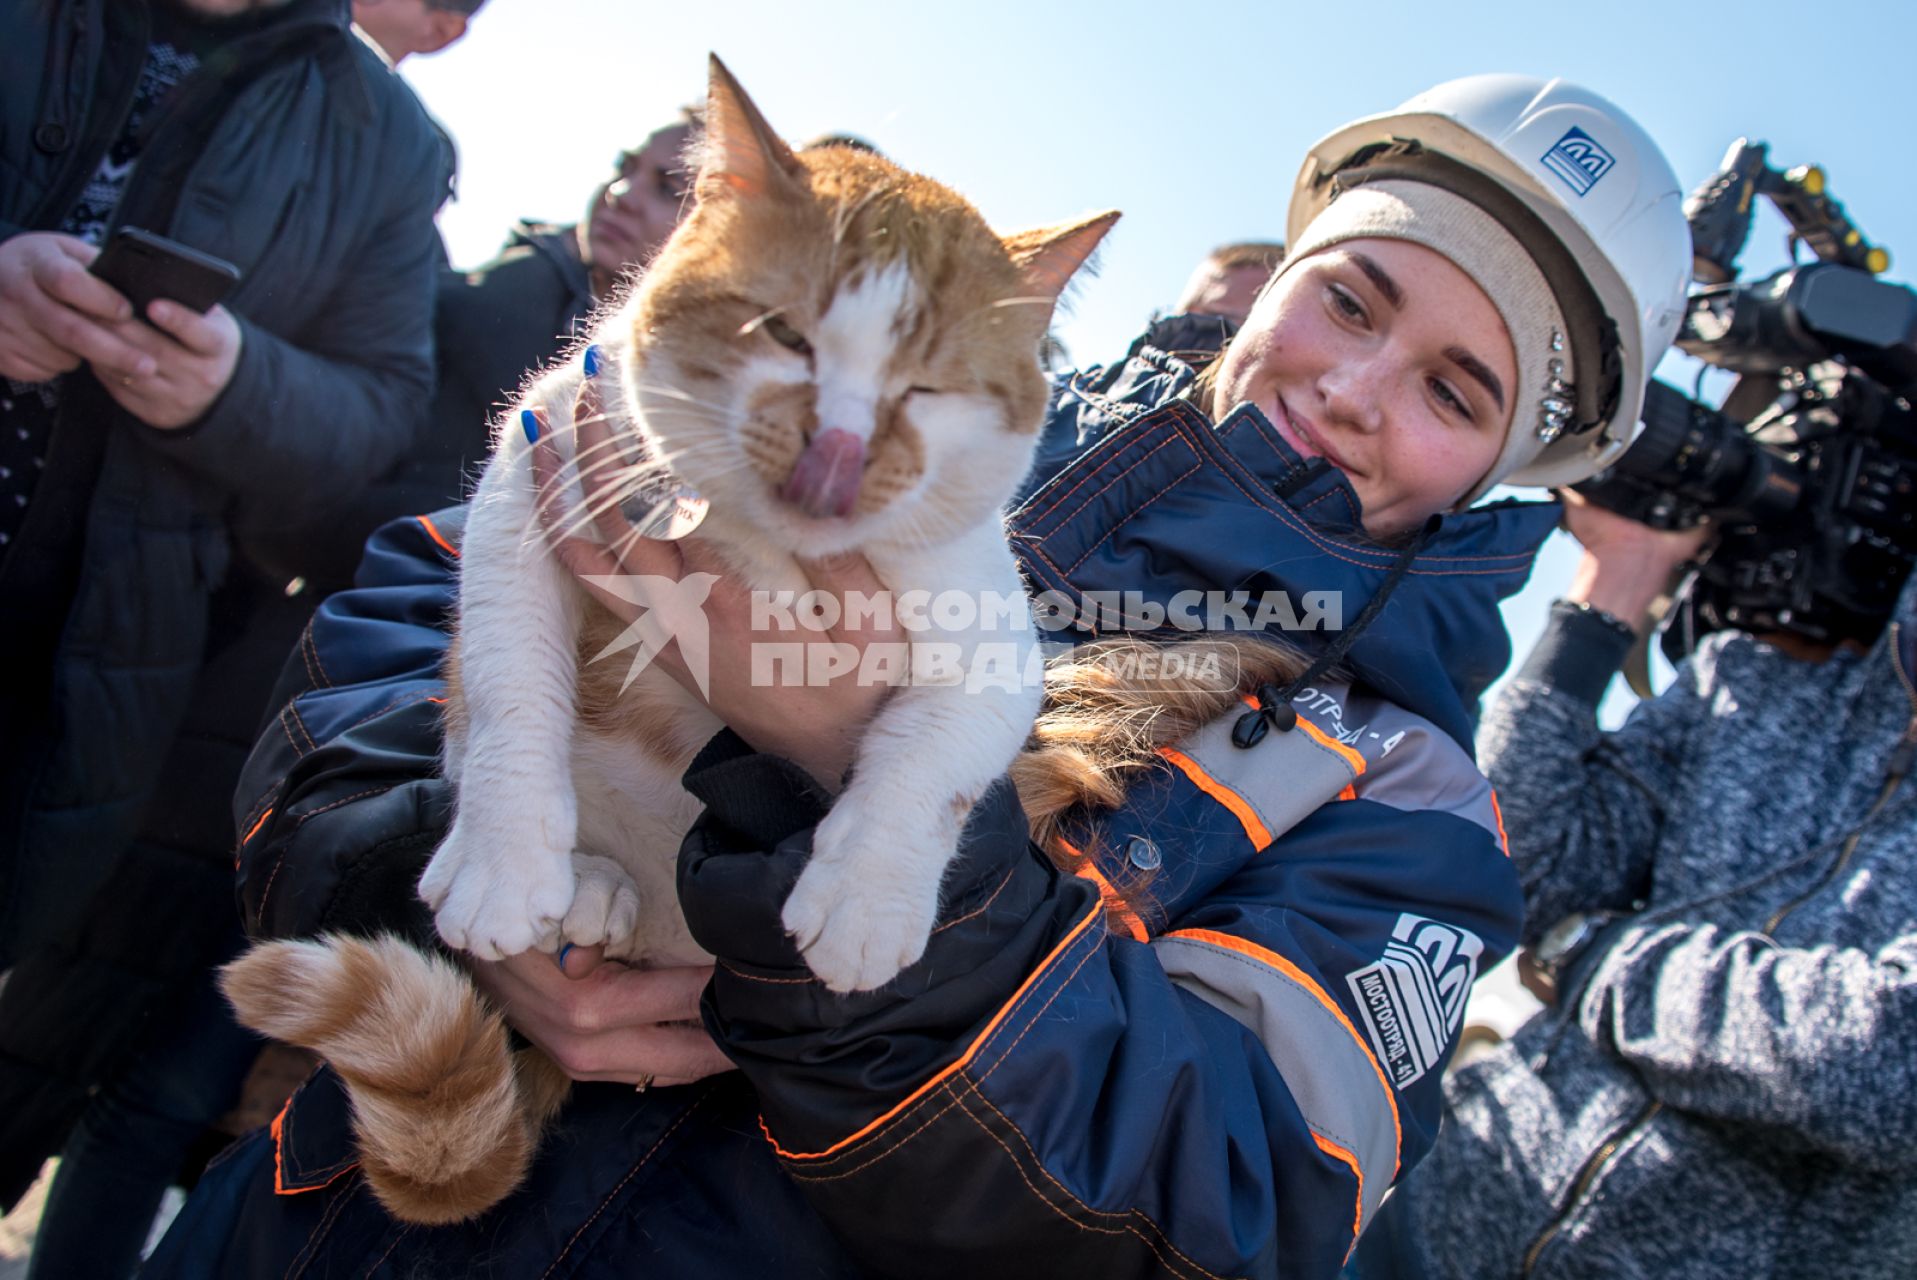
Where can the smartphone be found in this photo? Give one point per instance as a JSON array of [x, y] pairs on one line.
[[144, 266]]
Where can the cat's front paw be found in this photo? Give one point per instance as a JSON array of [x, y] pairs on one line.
[[859, 912], [497, 899], [605, 903]]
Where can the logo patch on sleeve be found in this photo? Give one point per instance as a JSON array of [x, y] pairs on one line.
[[1412, 998]]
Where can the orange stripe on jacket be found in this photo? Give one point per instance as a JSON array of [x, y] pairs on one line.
[[432, 531], [1331, 744], [1497, 811], [255, 830], [1338, 1153], [1107, 893], [1303, 979], [1247, 816], [1323, 739], [279, 1172], [964, 1059]]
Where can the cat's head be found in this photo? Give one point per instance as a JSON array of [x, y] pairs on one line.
[[836, 352]]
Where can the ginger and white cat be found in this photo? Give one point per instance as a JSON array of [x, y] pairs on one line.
[[838, 355]]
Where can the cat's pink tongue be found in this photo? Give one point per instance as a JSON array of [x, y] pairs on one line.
[[825, 480]]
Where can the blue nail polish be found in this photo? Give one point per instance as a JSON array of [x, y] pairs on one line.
[[530, 421], [593, 361], [560, 959]]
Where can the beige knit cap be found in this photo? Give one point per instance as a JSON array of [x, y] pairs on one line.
[[1396, 209]]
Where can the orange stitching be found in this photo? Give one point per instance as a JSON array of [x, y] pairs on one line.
[[282, 1123], [389, 1249], [1108, 894], [1109, 1213], [1337, 1152], [1097, 469], [1240, 808], [1256, 434], [1122, 1228], [880, 1126], [798, 1174], [358, 795], [697, 1103], [1332, 548], [1251, 953], [399, 702], [312, 677], [310, 1250], [306, 637], [980, 909], [259, 917], [299, 752], [1100, 470], [1228, 466], [1171, 484], [753, 977], [1002, 1017], [1083, 961], [1352, 760], [1497, 811], [299, 722]]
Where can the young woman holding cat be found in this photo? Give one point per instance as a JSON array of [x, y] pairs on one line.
[[1217, 1070]]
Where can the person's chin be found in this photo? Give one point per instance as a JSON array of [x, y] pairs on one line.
[[612, 246]]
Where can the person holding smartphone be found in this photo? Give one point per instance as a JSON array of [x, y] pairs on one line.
[[146, 452]]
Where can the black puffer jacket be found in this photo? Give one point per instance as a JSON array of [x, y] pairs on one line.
[[492, 326], [131, 633]]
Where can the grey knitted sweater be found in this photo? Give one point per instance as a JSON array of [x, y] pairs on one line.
[[1728, 1085]]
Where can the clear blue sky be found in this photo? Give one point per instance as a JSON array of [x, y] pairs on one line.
[[1191, 118]]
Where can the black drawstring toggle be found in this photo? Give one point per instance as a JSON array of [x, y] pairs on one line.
[[1273, 712], [1274, 704]]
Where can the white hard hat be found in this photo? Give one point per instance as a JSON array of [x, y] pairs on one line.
[[1592, 199]]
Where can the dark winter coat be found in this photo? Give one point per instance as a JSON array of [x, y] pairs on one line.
[[138, 632], [1223, 1084], [492, 326], [1726, 1085]]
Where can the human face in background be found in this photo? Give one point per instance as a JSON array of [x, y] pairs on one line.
[[405, 27], [1384, 358], [632, 215], [1215, 290]]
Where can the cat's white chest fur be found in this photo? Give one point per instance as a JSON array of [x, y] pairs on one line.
[[564, 834], [634, 809]]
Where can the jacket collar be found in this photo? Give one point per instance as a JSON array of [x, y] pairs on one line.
[[1162, 500]]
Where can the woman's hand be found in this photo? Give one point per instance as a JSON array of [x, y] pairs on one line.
[[1626, 565], [818, 726], [600, 1020]]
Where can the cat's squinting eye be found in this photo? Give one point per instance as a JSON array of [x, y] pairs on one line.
[[785, 335]]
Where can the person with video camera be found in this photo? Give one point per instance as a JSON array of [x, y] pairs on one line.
[[1722, 897]]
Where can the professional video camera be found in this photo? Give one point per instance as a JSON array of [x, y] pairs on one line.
[[1810, 469]]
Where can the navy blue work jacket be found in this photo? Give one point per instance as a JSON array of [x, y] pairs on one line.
[[1221, 1082]]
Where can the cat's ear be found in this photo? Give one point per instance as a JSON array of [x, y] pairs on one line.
[[741, 152], [1049, 255]]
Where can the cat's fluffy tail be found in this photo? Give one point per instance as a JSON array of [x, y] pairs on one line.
[[447, 1121]]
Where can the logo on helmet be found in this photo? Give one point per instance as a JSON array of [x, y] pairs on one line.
[[1579, 160]]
